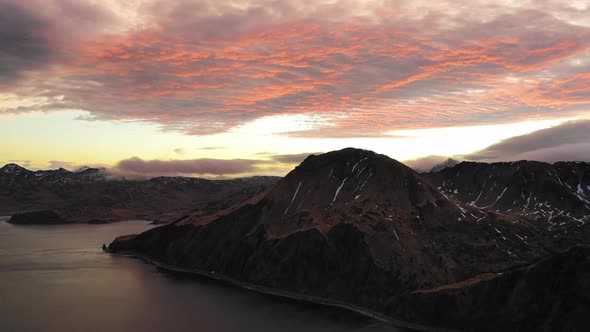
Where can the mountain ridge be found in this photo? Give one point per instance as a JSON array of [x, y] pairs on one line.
[[89, 194], [555, 195]]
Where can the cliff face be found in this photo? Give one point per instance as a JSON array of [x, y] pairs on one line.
[[352, 226]]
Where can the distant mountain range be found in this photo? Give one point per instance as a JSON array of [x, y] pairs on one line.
[[432, 163], [471, 246], [89, 195], [450, 162]]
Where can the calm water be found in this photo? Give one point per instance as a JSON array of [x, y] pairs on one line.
[[56, 278]]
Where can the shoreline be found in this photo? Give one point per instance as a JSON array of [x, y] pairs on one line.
[[89, 219], [87, 222], [282, 294]]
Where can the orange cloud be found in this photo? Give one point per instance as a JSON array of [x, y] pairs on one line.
[[366, 67]]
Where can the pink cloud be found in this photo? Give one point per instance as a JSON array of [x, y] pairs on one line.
[[201, 67]]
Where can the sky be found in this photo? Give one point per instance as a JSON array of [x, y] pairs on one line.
[[231, 88]]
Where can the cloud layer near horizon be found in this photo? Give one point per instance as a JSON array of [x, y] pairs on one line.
[[268, 164], [567, 142], [357, 68], [139, 167]]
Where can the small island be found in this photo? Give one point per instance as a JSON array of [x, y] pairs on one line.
[[43, 217]]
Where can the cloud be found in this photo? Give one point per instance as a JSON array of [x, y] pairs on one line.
[[366, 67], [24, 45], [565, 152], [424, 163], [139, 167], [213, 148], [292, 158], [567, 142], [179, 151], [54, 164]]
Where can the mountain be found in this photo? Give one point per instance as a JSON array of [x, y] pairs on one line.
[[450, 162], [550, 295], [351, 228], [13, 173], [428, 163], [89, 195], [12, 169], [556, 195]]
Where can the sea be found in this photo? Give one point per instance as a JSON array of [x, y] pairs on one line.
[[56, 278]]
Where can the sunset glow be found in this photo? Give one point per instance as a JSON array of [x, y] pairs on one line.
[[98, 82]]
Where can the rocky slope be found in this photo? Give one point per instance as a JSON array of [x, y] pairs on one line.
[[556, 196], [88, 195], [351, 226], [551, 295]]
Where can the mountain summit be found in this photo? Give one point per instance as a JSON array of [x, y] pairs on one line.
[[12, 169], [355, 187]]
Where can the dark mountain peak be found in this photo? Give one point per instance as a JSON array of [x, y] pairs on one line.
[[450, 162], [347, 155], [90, 170], [357, 187], [351, 174], [349, 160], [87, 169], [13, 169], [349, 171]]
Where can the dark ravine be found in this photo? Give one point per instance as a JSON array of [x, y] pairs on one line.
[[353, 227]]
